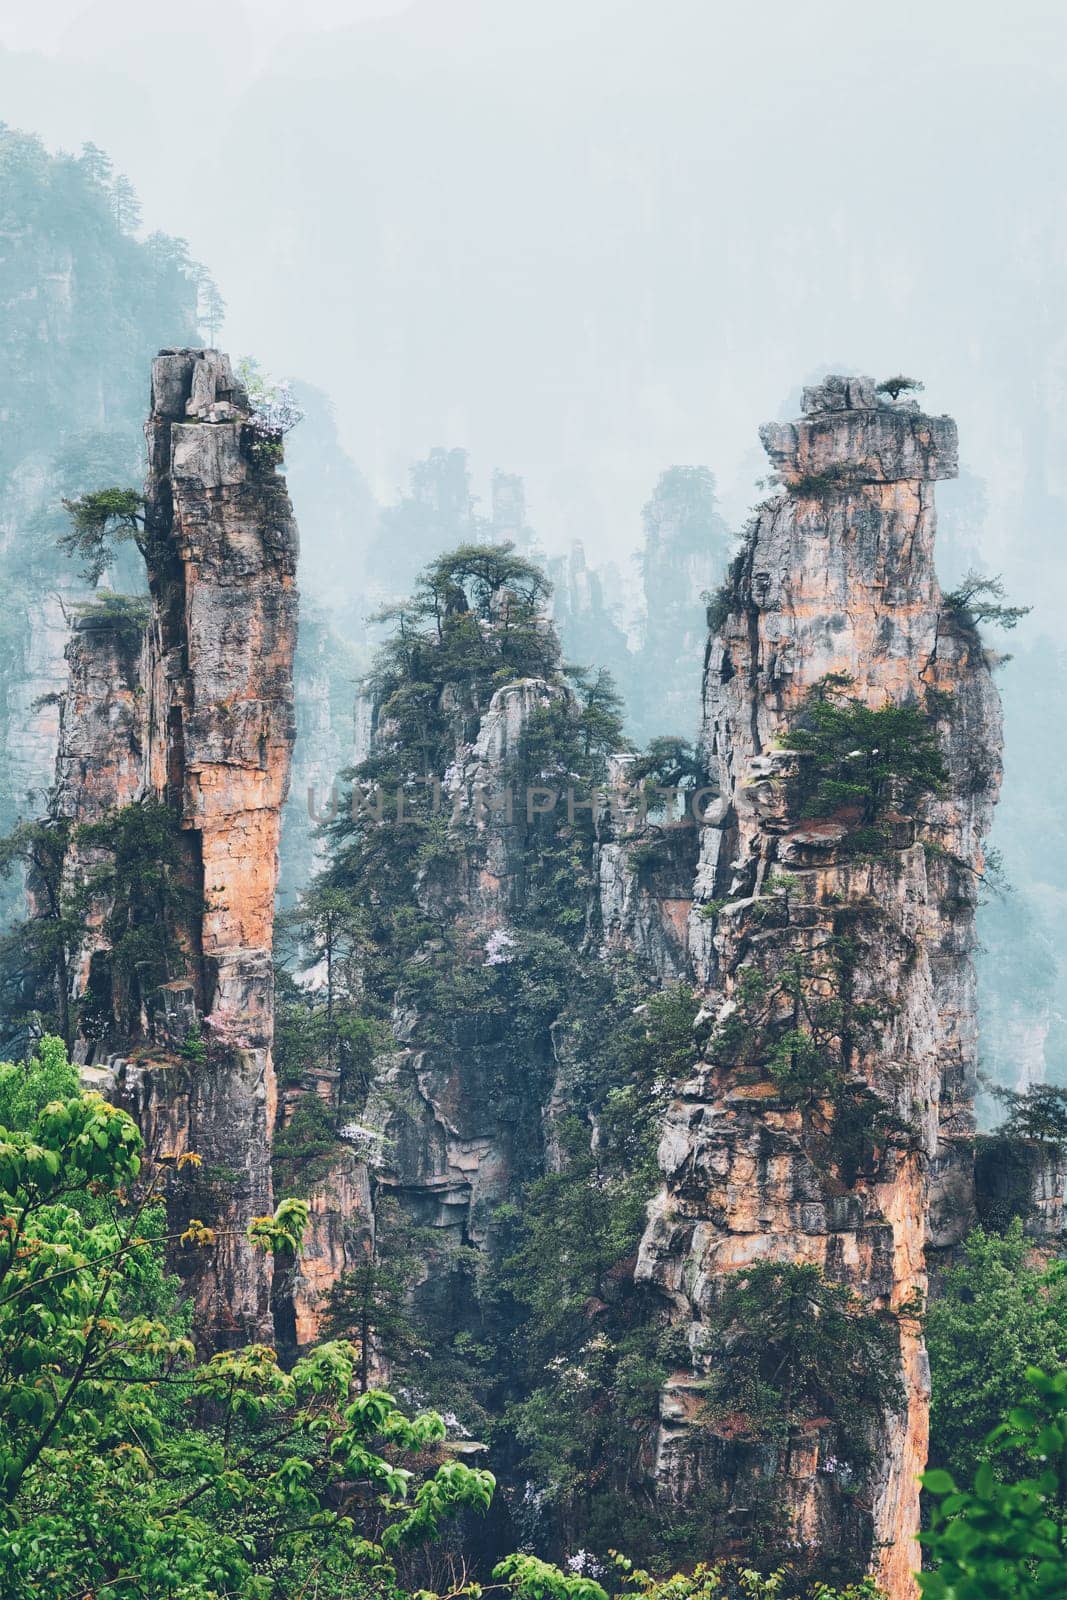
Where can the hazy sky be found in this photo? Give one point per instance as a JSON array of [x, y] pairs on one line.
[[589, 238]]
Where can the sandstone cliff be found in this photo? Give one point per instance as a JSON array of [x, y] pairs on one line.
[[804, 925], [197, 719]]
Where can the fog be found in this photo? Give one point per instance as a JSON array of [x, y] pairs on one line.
[[588, 239], [585, 240]]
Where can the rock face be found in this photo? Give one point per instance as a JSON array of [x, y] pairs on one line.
[[340, 1234], [491, 816], [459, 1117], [836, 578], [645, 875], [99, 760], [451, 1125], [201, 719]]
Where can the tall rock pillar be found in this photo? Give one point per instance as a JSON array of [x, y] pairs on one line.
[[806, 923], [221, 550], [190, 715]]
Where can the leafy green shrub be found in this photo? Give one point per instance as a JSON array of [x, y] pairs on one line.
[[304, 1148], [145, 882], [27, 1087], [125, 1464], [815, 485], [1006, 1538], [784, 1344], [867, 762], [997, 1313], [126, 613], [725, 1580]]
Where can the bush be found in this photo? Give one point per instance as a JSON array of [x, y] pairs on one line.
[[862, 761]]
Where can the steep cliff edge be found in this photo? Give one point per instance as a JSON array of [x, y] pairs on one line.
[[829, 1122], [191, 734]]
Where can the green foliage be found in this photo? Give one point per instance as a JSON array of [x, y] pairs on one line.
[[473, 622], [194, 1048], [666, 763], [719, 603], [996, 1315], [588, 1349], [550, 1305], [1038, 1115], [127, 614], [144, 882], [27, 1087], [784, 1345], [529, 1578], [815, 485], [128, 1467], [598, 725], [369, 1304], [34, 979], [100, 520], [567, 745], [1006, 1537], [861, 761], [805, 1027], [980, 599], [896, 386], [725, 1580], [305, 1146]]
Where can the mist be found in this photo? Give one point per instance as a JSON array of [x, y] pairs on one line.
[[584, 242]]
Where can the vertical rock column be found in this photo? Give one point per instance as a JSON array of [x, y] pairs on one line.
[[221, 553], [836, 578], [99, 766]]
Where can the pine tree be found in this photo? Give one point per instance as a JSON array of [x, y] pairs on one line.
[[125, 206], [96, 164]]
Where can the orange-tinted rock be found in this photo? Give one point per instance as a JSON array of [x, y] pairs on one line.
[[205, 723], [836, 577]]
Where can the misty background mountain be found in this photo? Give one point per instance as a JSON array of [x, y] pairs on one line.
[[584, 244]]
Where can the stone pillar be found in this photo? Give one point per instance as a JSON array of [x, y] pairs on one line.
[[221, 549], [836, 577]]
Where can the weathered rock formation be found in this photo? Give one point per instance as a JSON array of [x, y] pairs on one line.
[[451, 1125], [99, 761], [798, 917], [339, 1235], [459, 1115], [646, 867], [201, 720]]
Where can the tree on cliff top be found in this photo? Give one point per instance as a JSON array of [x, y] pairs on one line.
[[475, 620], [898, 385]]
